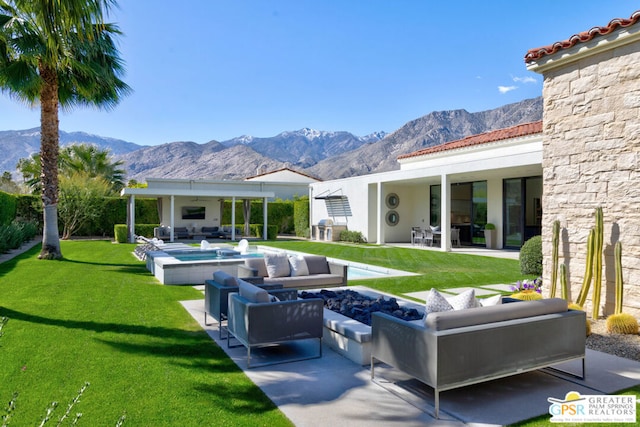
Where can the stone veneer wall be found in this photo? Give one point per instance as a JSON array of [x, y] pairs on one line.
[[591, 157]]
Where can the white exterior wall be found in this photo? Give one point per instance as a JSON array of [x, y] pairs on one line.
[[491, 162]]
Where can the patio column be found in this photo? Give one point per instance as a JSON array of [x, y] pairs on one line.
[[172, 218], [265, 233], [380, 197], [132, 218], [233, 218], [445, 213]]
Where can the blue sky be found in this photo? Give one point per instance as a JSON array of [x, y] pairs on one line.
[[212, 69]]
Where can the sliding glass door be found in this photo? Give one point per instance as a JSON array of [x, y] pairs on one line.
[[522, 210], [468, 210]]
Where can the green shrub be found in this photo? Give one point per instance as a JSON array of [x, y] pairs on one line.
[[120, 233], [352, 236], [15, 234], [272, 231], [301, 217], [145, 230], [279, 213], [7, 208], [531, 256]]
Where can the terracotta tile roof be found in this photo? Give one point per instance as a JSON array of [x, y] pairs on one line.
[[583, 37], [482, 138]]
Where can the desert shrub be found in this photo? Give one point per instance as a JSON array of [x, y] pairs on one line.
[[352, 236], [15, 234], [531, 256]]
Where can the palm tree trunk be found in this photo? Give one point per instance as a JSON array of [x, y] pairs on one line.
[[49, 150]]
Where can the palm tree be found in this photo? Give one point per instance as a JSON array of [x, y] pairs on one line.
[[60, 53], [95, 162], [76, 158]]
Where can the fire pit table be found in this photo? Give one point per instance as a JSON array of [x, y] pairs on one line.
[[352, 338]]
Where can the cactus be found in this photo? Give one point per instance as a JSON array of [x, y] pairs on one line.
[[619, 282], [526, 295], [622, 323], [555, 242], [588, 270], [597, 263], [564, 293]]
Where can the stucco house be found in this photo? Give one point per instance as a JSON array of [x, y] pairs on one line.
[[591, 150], [494, 177]]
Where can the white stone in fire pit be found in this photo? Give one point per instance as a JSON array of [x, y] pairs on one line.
[[349, 337]]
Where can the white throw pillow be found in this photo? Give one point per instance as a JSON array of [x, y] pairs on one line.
[[464, 300], [436, 303], [277, 265], [298, 266], [494, 300]]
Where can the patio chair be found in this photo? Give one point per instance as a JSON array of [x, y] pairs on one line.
[[216, 296], [416, 234], [455, 237], [255, 321], [427, 237]]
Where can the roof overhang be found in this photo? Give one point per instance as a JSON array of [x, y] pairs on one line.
[[614, 40]]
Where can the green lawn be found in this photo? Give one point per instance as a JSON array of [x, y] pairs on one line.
[[99, 317], [437, 269]]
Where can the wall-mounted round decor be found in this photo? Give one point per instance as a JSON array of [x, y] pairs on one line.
[[392, 200], [392, 218]]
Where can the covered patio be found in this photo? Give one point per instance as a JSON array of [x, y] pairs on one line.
[[196, 203]]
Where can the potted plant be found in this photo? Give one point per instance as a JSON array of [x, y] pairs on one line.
[[490, 235]]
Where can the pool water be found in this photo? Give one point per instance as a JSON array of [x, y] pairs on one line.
[[186, 256], [357, 273]]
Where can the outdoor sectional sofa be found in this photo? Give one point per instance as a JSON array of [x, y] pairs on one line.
[[300, 272], [453, 349]]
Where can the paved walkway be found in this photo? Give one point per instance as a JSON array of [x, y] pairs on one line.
[[335, 391], [15, 252]]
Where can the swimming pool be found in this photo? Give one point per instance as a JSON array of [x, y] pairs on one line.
[[185, 266]]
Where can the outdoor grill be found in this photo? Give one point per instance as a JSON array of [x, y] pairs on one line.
[[327, 231], [324, 229]]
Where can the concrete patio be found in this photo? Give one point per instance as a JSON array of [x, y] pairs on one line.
[[332, 390]]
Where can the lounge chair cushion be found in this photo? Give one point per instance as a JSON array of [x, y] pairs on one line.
[[317, 264], [251, 292], [298, 266], [224, 278], [277, 265]]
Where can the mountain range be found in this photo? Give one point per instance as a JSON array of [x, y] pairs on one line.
[[322, 154]]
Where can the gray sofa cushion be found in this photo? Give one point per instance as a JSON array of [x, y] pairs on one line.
[[317, 264], [258, 265], [481, 315], [308, 282], [224, 278], [252, 293]]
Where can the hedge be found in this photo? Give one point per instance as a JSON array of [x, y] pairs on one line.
[[145, 230], [301, 217], [7, 208], [279, 213]]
